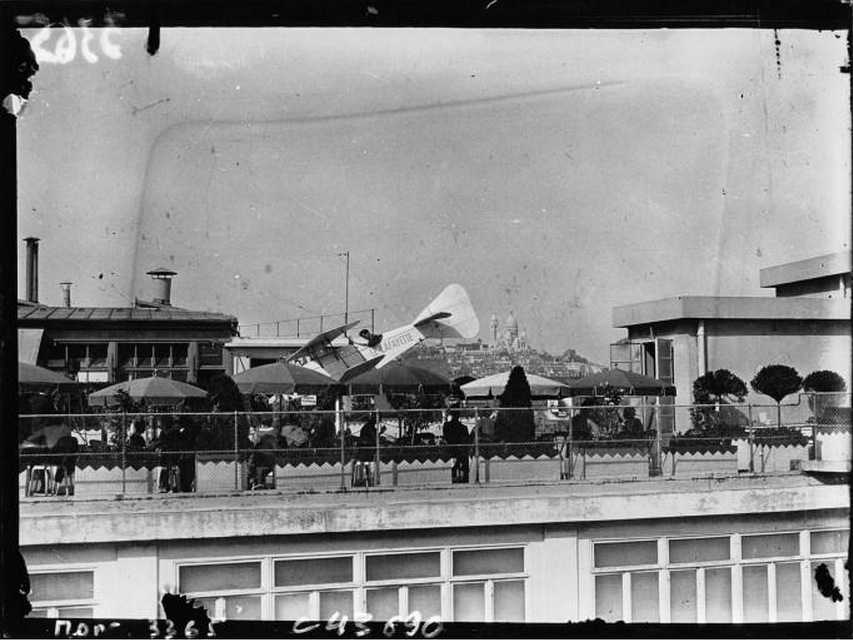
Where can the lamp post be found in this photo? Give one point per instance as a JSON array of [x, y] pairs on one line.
[[346, 290]]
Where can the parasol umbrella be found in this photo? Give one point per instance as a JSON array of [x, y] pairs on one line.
[[47, 436], [154, 390], [282, 377], [33, 377], [627, 383], [397, 377], [493, 386]]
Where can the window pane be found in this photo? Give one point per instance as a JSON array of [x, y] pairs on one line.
[[608, 598], [509, 601], [383, 604], [292, 606], [830, 541], [682, 596], [233, 607], [625, 554], [699, 550], [718, 595], [290, 573], [426, 600], [769, 546], [788, 589], [755, 604], [404, 565], [332, 602], [220, 577], [469, 603], [823, 608], [644, 597], [487, 561], [73, 585], [75, 612]]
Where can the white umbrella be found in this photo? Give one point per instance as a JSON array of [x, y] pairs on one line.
[[154, 390], [493, 386]]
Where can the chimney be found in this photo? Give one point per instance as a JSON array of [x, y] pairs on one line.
[[32, 269], [66, 293], [163, 281]]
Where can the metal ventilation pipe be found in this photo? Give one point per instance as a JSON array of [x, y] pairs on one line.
[[163, 280], [32, 269], [66, 293]]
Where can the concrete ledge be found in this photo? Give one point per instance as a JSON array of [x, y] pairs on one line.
[[731, 308], [70, 521]]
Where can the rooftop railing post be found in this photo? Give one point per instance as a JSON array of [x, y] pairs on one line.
[[570, 451], [236, 455], [477, 425], [339, 419], [658, 464], [123, 453], [377, 456], [750, 439]]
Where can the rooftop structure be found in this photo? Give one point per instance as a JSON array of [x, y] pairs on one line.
[[111, 344], [806, 326]]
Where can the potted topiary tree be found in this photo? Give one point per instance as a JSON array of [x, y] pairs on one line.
[[516, 425], [707, 446], [823, 382], [777, 381], [720, 388]]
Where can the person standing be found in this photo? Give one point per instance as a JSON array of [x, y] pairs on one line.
[[456, 435]]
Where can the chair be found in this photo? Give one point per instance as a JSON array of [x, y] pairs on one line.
[[39, 480]]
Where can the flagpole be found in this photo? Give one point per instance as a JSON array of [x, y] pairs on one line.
[[346, 294]]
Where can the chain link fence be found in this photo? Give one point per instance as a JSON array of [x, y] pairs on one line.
[[140, 454]]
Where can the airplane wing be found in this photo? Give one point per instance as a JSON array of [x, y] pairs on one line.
[[360, 368], [436, 316], [323, 339]]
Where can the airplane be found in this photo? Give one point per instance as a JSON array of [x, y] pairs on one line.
[[449, 315]]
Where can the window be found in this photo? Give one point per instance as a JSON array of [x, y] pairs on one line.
[[229, 590], [290, 573], [829, 542], [614, 554], [772, 569], [495, 599], [312, 587], [63, 593], [477, 584], [771, 546], [488, 561], [692, 550], [404, 565]]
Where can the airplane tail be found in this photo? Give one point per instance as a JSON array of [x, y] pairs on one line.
[[450, 315]]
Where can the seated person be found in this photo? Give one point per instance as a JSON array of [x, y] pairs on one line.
[[371, 340], [632, 427]]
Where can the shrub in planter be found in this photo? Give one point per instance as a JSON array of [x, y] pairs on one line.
[[777, 381], [779, 437], [517, 425], [720, 387]]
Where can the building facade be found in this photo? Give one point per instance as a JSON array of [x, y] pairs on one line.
[[806, 326], [738, 549], [112, 344]]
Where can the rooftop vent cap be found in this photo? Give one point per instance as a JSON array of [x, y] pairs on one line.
[[163, 280]]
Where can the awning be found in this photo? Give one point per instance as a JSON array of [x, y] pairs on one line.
[[29, 343]]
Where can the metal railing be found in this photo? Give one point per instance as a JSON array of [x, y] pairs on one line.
[[305, 326], [92, 455]]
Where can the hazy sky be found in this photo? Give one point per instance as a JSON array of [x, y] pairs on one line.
[[556, 174]]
